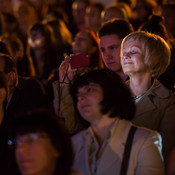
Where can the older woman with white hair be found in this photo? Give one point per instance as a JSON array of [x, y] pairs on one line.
[[144, 57]]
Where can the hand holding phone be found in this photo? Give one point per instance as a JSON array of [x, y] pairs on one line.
[[78, 61]]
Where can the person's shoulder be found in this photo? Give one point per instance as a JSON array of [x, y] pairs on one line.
[[146, 133], [80, 134], [161, 91], [80, 137]]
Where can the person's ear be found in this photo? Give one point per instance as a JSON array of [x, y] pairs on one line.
[[3, 94]]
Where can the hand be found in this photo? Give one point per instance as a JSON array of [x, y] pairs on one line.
[[65, 72]]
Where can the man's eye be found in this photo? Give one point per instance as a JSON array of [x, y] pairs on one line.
[[112, 47], [102, 49]]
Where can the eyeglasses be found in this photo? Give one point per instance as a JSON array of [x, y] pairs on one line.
[[26, 138]]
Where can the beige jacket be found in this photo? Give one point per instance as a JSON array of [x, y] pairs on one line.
[[156, 110], [145, 157]]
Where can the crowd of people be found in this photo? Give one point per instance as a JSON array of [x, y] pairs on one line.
[[114, 114]]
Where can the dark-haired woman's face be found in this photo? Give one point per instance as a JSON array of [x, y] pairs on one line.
[[88, 102], [83, 44], [35, 154], [36, 40]]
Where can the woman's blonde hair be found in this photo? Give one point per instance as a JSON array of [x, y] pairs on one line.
[[157, 51]]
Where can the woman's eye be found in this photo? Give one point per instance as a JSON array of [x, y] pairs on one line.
[[124, 53], [89, 89], [133, 51]]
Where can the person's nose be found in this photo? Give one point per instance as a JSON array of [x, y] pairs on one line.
[[21, 146], [107, 54], [127, 55], [81, 96]]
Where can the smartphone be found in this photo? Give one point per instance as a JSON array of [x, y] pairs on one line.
[[78, 61]]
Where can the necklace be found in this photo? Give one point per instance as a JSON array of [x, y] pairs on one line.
[[139, 96]]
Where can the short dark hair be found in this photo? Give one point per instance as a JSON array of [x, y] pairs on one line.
[[119, 27], [44, 120], [117, 97], [10, 65]]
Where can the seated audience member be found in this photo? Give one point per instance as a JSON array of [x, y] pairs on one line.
[[26, 16], [106, 103], [144, 57], [63, 44], [85, 42], [114, 11], [24, 93], [9, 25], [42, 49], [41, 145], [24, 63], [155, 25], [93, 16], [79, 12], [168, 11], [110, 37], [143, 9]]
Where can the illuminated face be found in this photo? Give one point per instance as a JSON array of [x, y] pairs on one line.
[[89, 97], [35, 154], [36, 40], [82, 43], [133, 58], [110, 47]]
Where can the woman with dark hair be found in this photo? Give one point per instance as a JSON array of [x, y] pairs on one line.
[[85, 42], [41, 144], [41, 48], [106, 103]]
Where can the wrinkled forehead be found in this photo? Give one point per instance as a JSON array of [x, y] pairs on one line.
[[133, 40]]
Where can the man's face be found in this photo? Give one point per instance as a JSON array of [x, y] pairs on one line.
[[110, 47], [11, 76]]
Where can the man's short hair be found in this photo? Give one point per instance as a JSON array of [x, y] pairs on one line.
[[120, 27]]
